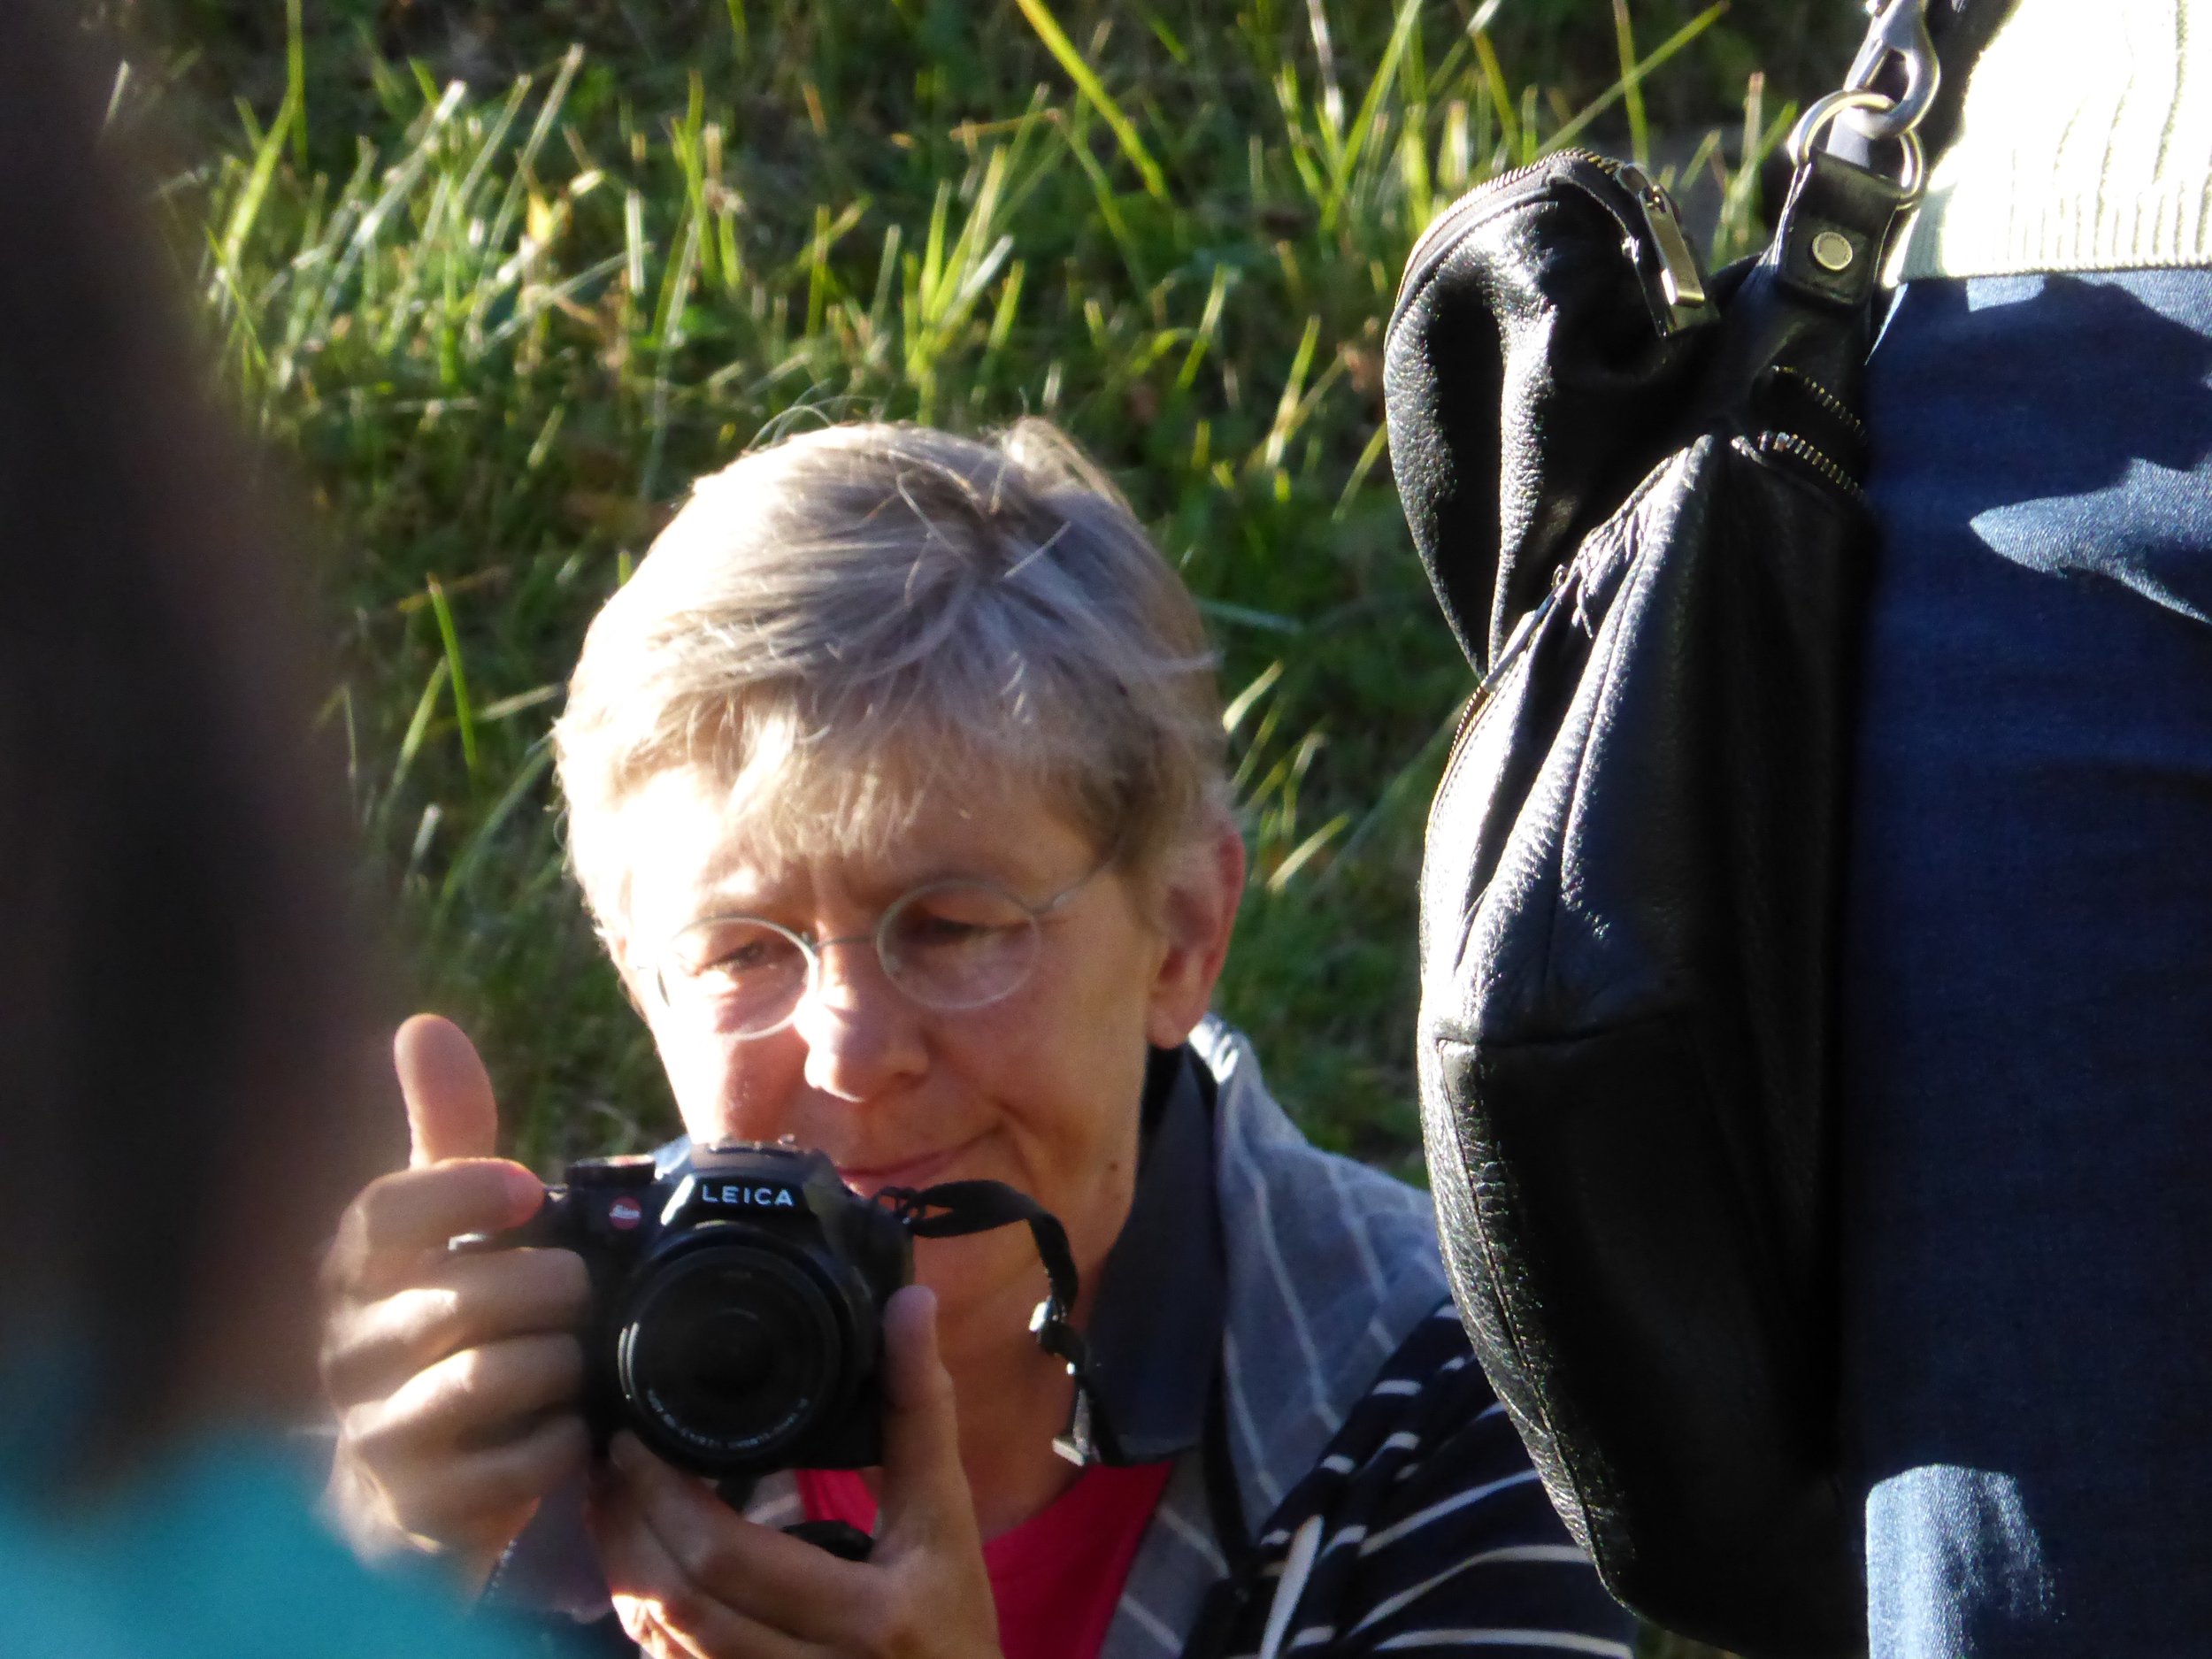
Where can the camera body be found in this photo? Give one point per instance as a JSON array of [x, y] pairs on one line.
[[736, 1315]]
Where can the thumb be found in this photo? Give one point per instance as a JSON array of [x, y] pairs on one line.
[[925, 1493], [451, 1110]]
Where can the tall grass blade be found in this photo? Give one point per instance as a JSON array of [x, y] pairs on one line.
[[1109, 209], [295, 81], [1242, 703], [1087, 83], [1634, 77], [464, 716], [1306, 852], [1325, 55], [1632, 85], [480, 844], [246, 209], [1370, 107], [418, 729], [1500, 97]]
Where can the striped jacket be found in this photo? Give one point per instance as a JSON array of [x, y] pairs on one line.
[[1393, 1508], [1276, 1320]]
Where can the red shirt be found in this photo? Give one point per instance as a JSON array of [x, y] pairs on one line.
[[1056, 1578]]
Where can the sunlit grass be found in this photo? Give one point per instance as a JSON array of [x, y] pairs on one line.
[[502, 327]]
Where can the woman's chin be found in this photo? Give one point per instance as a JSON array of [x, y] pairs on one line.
[[982, 1272]]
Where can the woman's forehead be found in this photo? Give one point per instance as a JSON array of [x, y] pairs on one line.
[[693, 844]]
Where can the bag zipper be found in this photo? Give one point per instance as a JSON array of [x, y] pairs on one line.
[[1681, 278], [1516, 644], [1497, 184], [1825, 398], [1771, 443], [1422, 254]]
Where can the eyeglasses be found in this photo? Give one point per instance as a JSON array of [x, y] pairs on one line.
[[948, 946]]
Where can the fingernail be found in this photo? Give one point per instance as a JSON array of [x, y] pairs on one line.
[[912, 1314], [625, 1452], [527, 1191], [923, 1299]]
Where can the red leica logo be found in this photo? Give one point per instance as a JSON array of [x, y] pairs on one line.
[[625, 1212]]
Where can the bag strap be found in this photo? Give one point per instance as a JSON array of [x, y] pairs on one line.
[[1859, 161], [965, 1207]]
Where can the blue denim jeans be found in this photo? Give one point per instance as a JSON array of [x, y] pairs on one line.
[[2027, 1009]]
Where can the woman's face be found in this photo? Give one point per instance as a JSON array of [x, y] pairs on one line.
[[1040, 1090]]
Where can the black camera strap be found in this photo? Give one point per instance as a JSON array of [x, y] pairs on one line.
[[954, 1209]]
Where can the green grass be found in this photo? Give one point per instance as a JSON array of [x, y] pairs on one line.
[[501, 327]]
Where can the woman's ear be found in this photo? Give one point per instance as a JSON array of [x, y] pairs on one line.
[[1198, 911]]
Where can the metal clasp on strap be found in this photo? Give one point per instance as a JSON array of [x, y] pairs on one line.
[[1899, 36], [1879, 105]]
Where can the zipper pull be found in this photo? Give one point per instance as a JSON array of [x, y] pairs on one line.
[[1681, 277]]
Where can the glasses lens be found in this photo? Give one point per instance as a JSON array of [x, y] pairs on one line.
[[748, 974], [959, 944]]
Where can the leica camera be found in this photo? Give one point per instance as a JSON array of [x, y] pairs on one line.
[[736, 1312]]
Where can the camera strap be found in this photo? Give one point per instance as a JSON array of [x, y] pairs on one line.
[[954, 1209]]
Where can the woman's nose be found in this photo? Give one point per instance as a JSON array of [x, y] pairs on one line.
[[862, 1034]]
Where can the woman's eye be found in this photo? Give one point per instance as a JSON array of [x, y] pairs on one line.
[[755, 955], [928, 932], [739, 952], [956, 920]]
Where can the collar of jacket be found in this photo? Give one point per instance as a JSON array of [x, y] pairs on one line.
[[1156, 1327]]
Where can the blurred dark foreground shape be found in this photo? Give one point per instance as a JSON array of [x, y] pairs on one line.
[[178, 1114]]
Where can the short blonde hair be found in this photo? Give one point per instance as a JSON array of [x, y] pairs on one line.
[[842, 623]]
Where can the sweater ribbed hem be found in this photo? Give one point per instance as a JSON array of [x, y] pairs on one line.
[[2000, 233]]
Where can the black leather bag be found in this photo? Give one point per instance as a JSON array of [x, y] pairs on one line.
[[1638, 496]]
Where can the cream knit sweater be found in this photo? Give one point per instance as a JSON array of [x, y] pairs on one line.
[[2085, 144]]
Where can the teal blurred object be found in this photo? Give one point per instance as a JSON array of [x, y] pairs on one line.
[[215, 1554]]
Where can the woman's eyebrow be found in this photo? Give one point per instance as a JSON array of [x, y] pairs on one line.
[[738, 887]]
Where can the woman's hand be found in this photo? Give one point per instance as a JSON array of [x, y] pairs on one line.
[[693, 1579], [454, 1377]]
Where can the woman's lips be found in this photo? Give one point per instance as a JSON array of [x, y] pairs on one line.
[[923, 1170]]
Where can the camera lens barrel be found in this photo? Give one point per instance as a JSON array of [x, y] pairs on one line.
[[733, 1347]]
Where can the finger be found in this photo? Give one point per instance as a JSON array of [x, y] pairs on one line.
[[473, 1401], [649, 1626], [782, 1582], [371, 1349], [451, 1112], [476, 1500], [642, 1624], [925, 1500], [721, 1635], [399, 1218], [663, 1606]]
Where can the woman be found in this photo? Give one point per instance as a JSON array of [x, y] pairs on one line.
[[875, 688], [174, 976]]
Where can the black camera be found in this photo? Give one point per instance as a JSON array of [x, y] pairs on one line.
[[736, 1318]]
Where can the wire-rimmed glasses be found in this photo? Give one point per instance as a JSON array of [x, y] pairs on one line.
[[949, 945]]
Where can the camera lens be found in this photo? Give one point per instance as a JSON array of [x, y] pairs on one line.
[[731, 1350], [734, 1356]]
